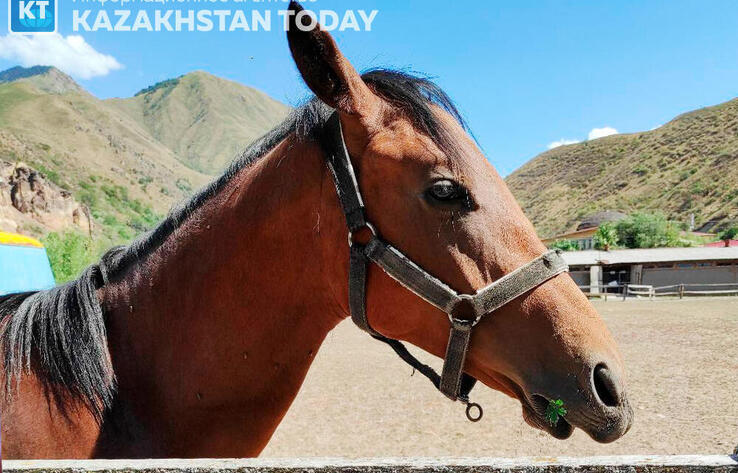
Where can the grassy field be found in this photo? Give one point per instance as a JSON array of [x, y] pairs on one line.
[[359, 399]]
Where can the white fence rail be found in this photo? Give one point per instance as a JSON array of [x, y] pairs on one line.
[[625, 291], [614, 464]]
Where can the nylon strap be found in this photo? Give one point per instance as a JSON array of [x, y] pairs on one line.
[[464, 310], [412, 276], [518, 282], [453, 364], [343, 175]]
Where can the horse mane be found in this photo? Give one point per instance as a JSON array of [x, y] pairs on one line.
[[60, 334]]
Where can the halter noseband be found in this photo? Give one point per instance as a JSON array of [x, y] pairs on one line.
[[464, 310]]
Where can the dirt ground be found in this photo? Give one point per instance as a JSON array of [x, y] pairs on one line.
[[682, 360]]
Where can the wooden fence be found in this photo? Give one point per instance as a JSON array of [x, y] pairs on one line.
[[625, 291]]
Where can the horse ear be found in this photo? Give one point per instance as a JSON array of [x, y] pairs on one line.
[[324, 69]]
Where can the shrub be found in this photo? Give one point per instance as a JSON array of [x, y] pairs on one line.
[[641, 170], [606, 237], [644, 230], [184, 185], [69, 253], [564, 245], [729, 234]]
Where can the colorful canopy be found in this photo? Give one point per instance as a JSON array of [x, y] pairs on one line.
[[24, 265]]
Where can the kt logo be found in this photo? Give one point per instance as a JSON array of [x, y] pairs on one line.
[[32, 16]]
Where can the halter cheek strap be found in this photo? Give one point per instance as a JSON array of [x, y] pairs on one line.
[[464, 310]]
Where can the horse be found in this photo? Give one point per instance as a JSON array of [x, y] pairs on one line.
[[194, 340]]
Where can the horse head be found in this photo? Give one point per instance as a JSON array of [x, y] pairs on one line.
[[430, 191]]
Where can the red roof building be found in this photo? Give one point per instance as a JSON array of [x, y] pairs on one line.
[[720, 244]]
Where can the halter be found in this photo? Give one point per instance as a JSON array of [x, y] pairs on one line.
[[464, 310]]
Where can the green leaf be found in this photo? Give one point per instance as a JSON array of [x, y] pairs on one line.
[[554, 411]]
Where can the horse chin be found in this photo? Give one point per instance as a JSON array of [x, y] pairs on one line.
[[561, 430]]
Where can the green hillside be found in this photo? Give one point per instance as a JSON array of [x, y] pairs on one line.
[[203, 119], [108, 161], [688, 166], [127, 160]]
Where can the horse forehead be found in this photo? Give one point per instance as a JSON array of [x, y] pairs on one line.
[[400, 140]]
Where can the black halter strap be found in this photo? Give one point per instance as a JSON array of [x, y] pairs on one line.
[[464, 310]]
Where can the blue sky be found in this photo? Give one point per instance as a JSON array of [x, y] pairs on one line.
[[524, 73]]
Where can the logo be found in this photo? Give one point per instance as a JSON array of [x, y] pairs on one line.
[[32, 16]]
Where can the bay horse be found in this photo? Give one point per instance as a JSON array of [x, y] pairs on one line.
[[193, 341]]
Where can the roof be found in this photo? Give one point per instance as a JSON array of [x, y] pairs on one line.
[[721, 244], [18, 240], [649, 255], [578, 234], [597, 219]]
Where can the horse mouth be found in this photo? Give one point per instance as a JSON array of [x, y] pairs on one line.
[[603, 427], [534, 407], [603, 424], [534, 414]]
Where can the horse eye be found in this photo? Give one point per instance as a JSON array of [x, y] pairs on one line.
[[446, 190]]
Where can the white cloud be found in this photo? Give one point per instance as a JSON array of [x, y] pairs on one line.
[[601, 132], [561, 142], [71, 54]]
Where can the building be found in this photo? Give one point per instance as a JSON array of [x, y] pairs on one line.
[[654, 266], [721, 243], [24, 265], [586, 229]]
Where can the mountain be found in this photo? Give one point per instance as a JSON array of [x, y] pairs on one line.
[[82, 144], [44, 78], [125, 160], [687, 166], [203, 119]]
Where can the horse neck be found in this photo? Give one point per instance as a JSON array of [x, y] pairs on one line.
[[215, 332]]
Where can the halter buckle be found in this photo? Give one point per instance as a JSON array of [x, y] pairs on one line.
[[366, 225]]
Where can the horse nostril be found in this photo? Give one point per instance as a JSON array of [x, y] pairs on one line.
[[606, 385]]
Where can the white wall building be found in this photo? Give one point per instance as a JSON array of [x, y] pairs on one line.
[[654, 266]]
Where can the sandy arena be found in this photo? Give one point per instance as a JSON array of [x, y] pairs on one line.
[[359, 399]]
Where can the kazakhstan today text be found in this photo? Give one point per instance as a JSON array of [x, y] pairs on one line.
[[216, 20]]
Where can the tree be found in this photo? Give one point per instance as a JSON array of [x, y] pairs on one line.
[[605, 237], [644, 230], [728, 235], [564, 245]]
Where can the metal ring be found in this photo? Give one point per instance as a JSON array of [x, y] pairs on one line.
[[366, 225], [470, 298], [470, 406]]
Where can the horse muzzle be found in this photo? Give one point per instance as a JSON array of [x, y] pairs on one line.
[[598, 405]]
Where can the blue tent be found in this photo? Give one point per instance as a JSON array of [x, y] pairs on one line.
[[24, 265]]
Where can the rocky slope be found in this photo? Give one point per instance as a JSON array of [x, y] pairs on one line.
[[29, 200]]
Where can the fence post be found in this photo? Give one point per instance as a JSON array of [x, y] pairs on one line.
[[681, 291], [625, 292]]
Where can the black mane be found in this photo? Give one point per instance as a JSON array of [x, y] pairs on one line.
[[60, 334]]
